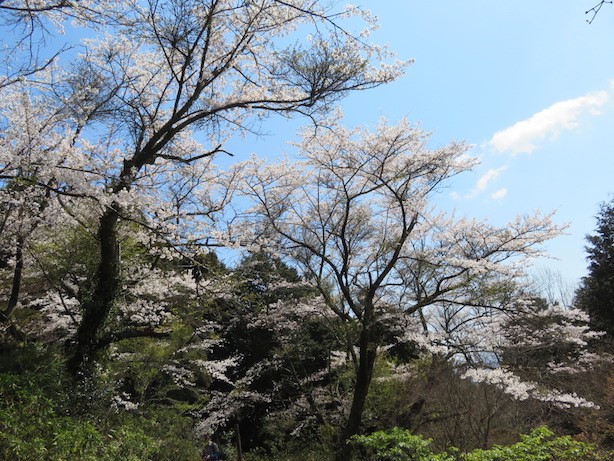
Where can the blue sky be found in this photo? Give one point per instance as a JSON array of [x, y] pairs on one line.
[[530, 84]]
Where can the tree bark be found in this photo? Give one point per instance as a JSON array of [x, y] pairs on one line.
[[366, 362], [97, 309], [19, 263], [5, 316], [238, 441], [17, 275]]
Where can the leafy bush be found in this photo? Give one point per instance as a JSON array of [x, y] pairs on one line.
[[540, 445], [399, 445], [31, 430]]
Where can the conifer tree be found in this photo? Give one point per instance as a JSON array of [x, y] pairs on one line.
[[596, 292]]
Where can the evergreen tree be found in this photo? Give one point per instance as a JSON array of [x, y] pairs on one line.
[[596, 292]]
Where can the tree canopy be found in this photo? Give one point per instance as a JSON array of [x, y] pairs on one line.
[[353, 303]]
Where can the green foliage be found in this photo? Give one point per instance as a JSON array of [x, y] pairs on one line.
[[65, 259], [32, 430], [299, 451], [388, 403], [398, 445], [44, 416], [172, 430], [540, 445]]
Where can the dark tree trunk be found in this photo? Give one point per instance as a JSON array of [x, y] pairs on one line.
[[18, 272], [238, 441], [97, 309], [368, 353], [5, 316], [17, 275]]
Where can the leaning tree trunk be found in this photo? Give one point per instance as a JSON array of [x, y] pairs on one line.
[[97, 309], [367, 354]]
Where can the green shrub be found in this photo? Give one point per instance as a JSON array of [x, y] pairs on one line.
[[31, 430], [540, 445], [398, 445]]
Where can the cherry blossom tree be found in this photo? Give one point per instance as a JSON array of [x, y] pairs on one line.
[[211, 66], [540, 350], [32, 31], [151, 100], [355, 216], [274, 332], [33, 132]]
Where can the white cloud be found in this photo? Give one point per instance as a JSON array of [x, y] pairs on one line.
[[484, 180], [499, 194], [522, 136], [487, 177]]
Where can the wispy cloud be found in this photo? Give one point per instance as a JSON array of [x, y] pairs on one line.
[[487, 177], [482, 183], [499, 194], [547, 124]]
